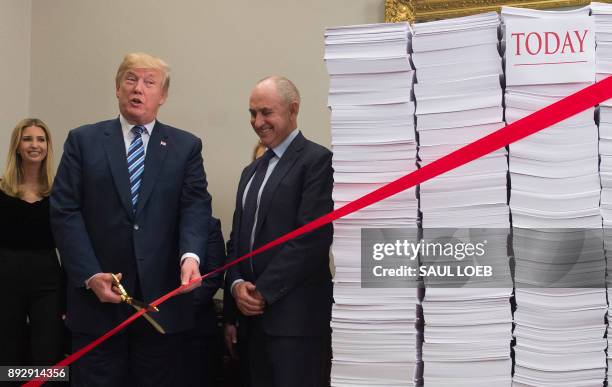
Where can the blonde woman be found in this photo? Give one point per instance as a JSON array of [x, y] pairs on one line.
[[30, 274], [259, 150]]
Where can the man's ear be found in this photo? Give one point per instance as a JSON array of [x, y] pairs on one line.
[[294, 109]]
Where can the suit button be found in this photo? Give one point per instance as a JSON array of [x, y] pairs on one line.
[[136, 227]]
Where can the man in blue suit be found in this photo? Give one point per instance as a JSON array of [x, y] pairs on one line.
[[130, 198]]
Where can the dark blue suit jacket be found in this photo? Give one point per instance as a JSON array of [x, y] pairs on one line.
[[294, 277], [206, 318], [96, 229]]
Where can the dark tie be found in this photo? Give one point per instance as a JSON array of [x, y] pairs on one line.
[[250, 204], [135, 159]]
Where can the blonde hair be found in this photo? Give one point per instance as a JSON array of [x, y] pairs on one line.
[[258, 150], [142, 60], [13, 171]]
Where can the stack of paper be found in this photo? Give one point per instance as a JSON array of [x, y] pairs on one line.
[[467, 337], [374, 337], [560, 337], [602, 13], [554, 201], [559, 258], [607, 232], [459, 99], [553, 173], [366, 65], [468, 320], [560, 307]]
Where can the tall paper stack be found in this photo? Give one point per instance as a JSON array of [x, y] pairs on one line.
[[374, 336], [608, 253], [602, 13], [554, 201], [561, 304], [459, 99], [554, 173]]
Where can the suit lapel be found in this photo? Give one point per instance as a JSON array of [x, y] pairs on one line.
[[284, 165], [243, 182], [114, 145], [244, 179], [154, 160], [246, 176]]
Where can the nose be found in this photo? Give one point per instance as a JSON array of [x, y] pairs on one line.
[[258, 120], [139, 86]]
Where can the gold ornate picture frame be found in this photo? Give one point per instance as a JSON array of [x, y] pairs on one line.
[[426, 10]]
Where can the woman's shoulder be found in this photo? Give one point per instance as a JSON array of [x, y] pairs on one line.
[[6, 200], [3, 194]]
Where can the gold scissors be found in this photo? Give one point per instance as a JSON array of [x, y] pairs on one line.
[[138, 305]]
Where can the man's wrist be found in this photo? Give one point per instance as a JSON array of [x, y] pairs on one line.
[[236, 282], [88, 280], [190, 255]]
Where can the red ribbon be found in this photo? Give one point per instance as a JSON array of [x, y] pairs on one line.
[[550, 115]]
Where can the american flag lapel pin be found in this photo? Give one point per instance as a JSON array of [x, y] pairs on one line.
[[162, 143]]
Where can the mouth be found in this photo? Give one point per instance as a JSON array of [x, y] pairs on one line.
[[34, 154], [264, 131], [136, 102]]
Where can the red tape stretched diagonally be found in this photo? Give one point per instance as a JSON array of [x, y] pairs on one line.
[[550, 115]]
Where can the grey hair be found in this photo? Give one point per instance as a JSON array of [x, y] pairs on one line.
[[285, 88]]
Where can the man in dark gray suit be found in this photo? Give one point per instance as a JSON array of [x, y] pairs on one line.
[[130, 198], [284, 295]]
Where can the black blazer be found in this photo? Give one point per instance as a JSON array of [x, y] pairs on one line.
[[96, 229], [294, 278], [206, 318]]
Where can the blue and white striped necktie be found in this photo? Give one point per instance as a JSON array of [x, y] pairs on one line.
[[136, 159]]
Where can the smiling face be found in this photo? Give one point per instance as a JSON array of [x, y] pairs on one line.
[[33, 145], [272, 118], [140, 93]]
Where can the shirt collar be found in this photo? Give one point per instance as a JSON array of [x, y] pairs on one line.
[[126, 127], [280, 149]]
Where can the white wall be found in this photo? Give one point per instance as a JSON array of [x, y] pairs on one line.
[[217, 50], [15, 68]]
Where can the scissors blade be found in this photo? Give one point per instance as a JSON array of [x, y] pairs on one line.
[[144, 305], [151, 320]]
